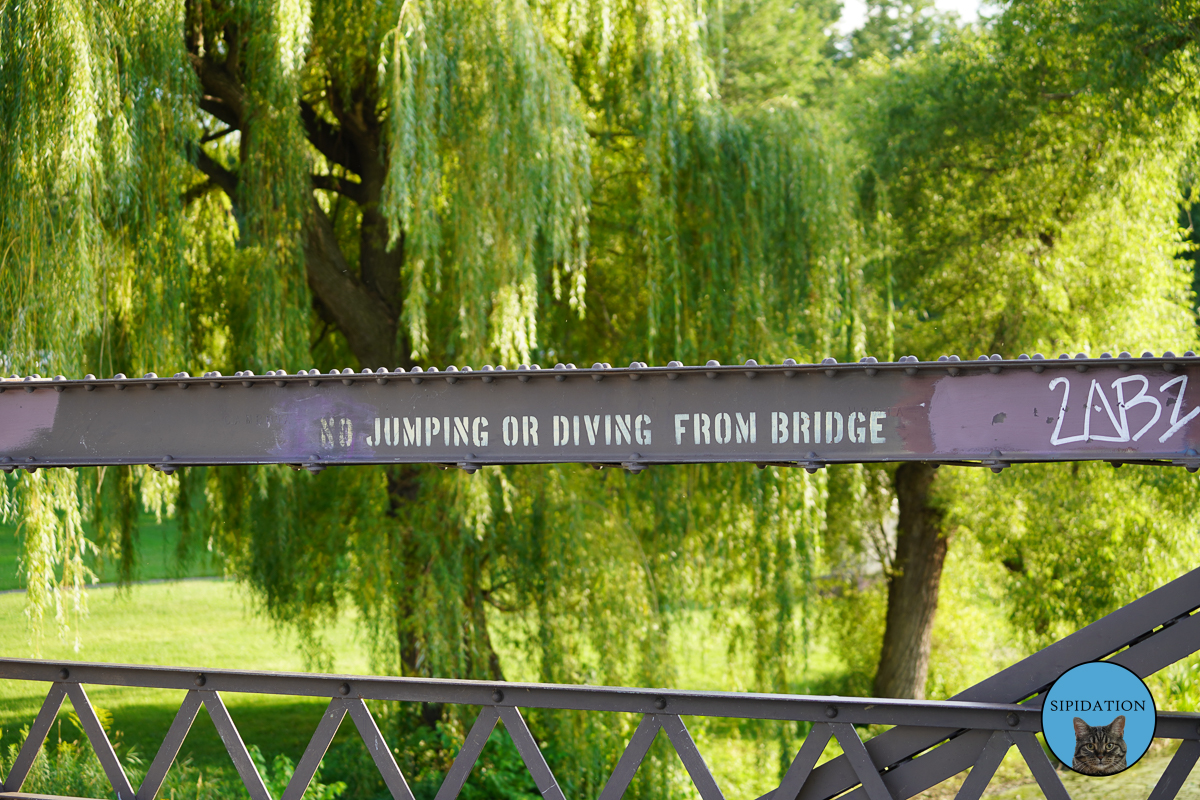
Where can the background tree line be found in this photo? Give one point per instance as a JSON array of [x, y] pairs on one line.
[[226, 185]]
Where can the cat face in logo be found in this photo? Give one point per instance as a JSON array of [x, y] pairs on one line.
[[1100, 749]]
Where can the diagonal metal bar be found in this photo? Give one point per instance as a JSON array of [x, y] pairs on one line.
[[1168, 645], [631, 759], [169, 749], [100, 743], [236, 747], [1148, 653], [472, 746], [860, 759], [535, 762], [913, 777], [33, 742], [1177, 771], [981, 774], [689, 754], [803, 763], [1040, 766], [378, 748], [318, 745]]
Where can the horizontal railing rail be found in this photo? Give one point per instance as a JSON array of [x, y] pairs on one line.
[[854, 710]]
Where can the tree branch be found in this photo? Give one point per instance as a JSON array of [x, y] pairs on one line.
[[223, 95], [352, 190], [1059, 96], [212, 137], [327, 138], [216, 173], [196, 192], [363, 318]]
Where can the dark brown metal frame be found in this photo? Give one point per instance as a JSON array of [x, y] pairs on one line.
[[931, 742]]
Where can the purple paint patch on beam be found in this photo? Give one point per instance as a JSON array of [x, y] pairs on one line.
[[314, 424], [25, 417]]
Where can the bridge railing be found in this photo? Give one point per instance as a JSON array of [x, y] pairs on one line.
[[931, 741], [991, 729]]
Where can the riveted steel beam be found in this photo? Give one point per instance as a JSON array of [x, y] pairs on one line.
[[987, 412]]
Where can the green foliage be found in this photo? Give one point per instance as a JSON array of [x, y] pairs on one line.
[[71, 768], [496, 121], [489, 173], [92, 128], [895, 28], [279, 774], [975, 635], [424, 754], [852, 615], [771, 51], [1015, 214], [54, 547], [1076, 543]]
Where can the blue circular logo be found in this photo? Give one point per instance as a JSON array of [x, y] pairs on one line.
[[1098, 718]]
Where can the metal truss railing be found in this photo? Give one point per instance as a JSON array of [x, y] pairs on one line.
[[931, 741]]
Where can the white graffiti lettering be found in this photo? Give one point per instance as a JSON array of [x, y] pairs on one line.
[[1119, 416]]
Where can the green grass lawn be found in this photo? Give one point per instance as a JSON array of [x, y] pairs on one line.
[[1135, 783], [202, 624], [156, 556]]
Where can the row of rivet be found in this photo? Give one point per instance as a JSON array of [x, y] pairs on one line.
[[417, 374], [346, 375]]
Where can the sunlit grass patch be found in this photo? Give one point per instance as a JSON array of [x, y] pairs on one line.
[[199, 624]]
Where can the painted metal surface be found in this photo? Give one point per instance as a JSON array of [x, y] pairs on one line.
[[932, 740], [987, 412]]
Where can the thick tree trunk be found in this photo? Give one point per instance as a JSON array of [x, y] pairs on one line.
[[366, 321], [921, 545]]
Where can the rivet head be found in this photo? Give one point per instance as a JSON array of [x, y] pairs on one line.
[[831, 711], [200, 680], [497, 696], [64, 673], [344, 689], [1012, 719], [660, 703]]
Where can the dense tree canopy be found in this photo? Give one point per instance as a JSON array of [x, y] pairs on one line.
[[226, 185], [1021, 183]]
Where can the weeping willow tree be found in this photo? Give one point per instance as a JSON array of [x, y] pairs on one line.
[[262, 185]]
